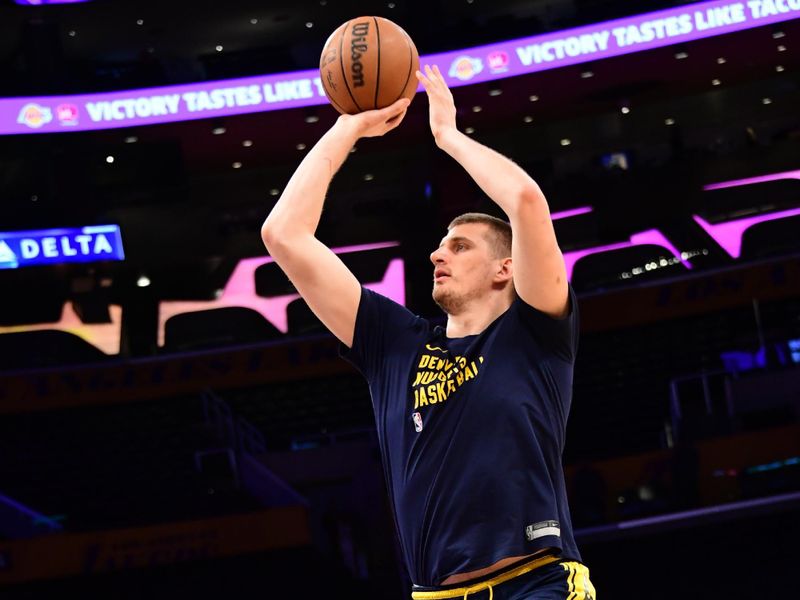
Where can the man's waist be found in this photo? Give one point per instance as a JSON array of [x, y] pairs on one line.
[[498, 575]]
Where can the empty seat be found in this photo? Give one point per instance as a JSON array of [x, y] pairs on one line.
[[604, 269], [301, 320], [772, 238], [46, 348], [217, 327]]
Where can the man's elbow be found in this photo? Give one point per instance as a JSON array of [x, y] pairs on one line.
[[268, 235], [529, 202], [530, 193], [274, 236]]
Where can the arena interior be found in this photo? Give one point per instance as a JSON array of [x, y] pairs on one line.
[[175, 421]]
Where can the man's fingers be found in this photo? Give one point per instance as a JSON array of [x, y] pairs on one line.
[[396, 120], [391, 111], [398, 105]]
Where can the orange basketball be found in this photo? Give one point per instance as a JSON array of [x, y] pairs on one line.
[[368, 63]]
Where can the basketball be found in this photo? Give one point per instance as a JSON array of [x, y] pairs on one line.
[[368, 63]]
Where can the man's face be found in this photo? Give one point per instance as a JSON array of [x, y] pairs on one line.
[[464, 266]]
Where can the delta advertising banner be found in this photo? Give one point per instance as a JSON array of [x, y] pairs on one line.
[[58, 246], [48, 114]]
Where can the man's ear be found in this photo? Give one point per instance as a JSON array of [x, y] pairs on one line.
[[505, 272]]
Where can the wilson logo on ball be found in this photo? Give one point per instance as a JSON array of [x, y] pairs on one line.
[[358, 46], [368, 63]]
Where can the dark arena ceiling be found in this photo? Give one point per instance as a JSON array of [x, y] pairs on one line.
[[190, 203]]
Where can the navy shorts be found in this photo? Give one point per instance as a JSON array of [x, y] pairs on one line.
[[543, 578]]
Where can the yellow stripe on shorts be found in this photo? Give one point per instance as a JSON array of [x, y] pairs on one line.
[[463, 592], [579, 585]]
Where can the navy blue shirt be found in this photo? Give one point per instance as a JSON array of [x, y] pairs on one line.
[[471, 432]]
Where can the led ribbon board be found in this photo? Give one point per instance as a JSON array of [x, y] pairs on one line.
[[57, 246], [47, 114]]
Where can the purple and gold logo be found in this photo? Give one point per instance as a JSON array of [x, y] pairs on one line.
[[465, 68], [34, 115], [67, 114]]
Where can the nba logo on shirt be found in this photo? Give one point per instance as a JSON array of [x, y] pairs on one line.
[[417, 421]]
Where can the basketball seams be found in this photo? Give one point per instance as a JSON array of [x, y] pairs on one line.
[[341, 64], [360, 76], [410, 66], [378, 76], [329, 93]]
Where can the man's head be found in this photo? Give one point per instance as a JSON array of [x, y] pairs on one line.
[[472, 262]]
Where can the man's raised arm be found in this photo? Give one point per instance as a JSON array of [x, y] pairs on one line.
[[327, 285], [540, 277]]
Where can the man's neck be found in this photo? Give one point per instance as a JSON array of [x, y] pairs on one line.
[[476, 317]]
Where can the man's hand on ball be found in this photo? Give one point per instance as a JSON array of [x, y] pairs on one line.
[[440, 99], [374, 123]]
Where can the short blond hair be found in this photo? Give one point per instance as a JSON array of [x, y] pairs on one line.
[[499, 237]]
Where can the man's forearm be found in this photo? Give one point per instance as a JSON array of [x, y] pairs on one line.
[[505, 182], [299, 208]]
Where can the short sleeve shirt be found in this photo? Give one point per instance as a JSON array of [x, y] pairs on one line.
[[471, 432]]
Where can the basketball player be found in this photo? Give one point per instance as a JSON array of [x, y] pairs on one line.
[[471, 416]]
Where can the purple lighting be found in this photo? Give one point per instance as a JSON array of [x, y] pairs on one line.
[[729, 235], [43, 2], [651, 236], [752, 180], [240, 290], [573, 212], [44, 114]]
